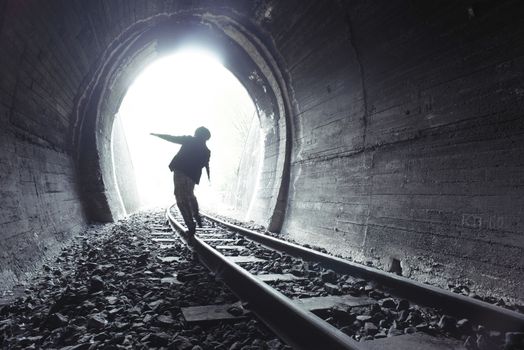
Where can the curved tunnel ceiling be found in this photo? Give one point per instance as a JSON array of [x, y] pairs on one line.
[[405, 119], [241, 52]]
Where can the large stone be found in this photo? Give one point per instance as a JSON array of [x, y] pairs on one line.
[[447, 323], [182, 343], [56, 320], [96, 322], [96, 284], [329, 276], [165, 320], [370, 328], [332, 289], [388, 303]]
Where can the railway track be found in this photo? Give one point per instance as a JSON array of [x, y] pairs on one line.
[[316, 301]]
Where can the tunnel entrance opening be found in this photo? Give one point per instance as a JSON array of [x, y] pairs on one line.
[[174, 95], [101, 147]]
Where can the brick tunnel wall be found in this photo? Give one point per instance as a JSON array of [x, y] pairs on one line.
[[407, 124]]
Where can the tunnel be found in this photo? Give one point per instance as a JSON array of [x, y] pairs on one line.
[[392, 131]]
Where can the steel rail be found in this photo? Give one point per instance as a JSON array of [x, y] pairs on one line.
[[298, 327], [451, 303]]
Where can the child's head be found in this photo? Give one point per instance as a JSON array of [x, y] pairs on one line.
[[202, 133]]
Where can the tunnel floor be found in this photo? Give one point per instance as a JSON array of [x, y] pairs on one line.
[[115, 287]]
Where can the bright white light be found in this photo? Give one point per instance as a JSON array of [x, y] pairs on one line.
[[175, 95]]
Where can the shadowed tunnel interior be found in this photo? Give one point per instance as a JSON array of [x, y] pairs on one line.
[[392, 131]]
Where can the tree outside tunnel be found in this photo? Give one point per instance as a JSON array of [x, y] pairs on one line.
[[174, 95]]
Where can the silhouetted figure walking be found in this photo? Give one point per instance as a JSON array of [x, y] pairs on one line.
[[187, 169]]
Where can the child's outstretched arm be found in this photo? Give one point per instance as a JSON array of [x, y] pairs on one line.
[[170, 138]]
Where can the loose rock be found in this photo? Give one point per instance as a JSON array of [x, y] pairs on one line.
[[447, 323], [56, 320], [329, 276]]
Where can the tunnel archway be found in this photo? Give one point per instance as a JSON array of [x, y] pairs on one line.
[[137, 46], [176, 94]]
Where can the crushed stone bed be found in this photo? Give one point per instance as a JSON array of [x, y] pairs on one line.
[[116, 288]]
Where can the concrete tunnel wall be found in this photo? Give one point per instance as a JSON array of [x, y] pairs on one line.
[[394, 129]]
